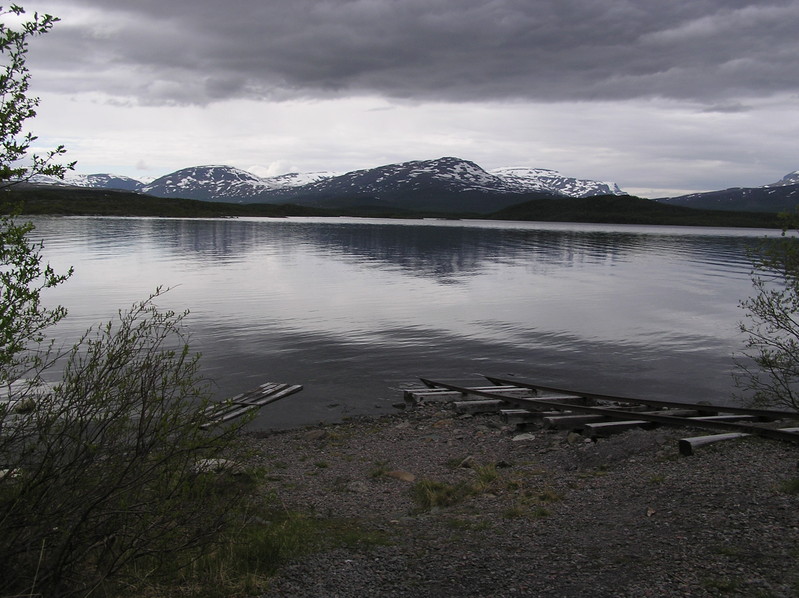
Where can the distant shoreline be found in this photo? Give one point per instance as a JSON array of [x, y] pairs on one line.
[[58, 201]]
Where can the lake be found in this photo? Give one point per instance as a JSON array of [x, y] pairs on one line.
[[357, 309]]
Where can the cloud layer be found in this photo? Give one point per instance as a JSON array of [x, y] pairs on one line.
[[201, 51], [661, 96]]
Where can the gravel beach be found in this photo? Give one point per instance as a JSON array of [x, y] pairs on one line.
[[541, 514]]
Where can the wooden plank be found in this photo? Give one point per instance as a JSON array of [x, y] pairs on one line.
[[688, 446], [577, 421], [282, 394], [572, 422], [264, 397], [230, 414], [426, 395], [265, 387], [563, 400], [601, 429], [693, 413], [731, 417], [246, 402], [484, 406], [523, 416], [248, 397]]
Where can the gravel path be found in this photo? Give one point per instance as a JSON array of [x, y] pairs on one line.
[[551, 515]]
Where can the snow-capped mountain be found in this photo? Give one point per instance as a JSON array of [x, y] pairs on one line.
[[94, 181], [526, 179], [447, 184], [224, 183], [444, 184], [792, 178], [444, 174], [455, 174], [782, 196]]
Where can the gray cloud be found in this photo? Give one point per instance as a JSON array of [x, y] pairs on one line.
[[198, 51]]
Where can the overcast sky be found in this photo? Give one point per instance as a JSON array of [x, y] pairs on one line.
[[660, 96]]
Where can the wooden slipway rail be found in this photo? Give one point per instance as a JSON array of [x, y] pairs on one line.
[[597, 415]]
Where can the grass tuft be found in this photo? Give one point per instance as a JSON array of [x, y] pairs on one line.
[[244, 561], [790, 486], [430, 493], [380, 469]]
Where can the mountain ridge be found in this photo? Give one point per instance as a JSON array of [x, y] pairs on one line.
[[446, 184], [383, 184], [780, 196]]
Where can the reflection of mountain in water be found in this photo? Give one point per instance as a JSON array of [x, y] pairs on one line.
[[444, 252], [448, 253], [441, 252]]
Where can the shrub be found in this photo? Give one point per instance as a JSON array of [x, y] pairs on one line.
[[769, 369], [104, 475], [110, 466]]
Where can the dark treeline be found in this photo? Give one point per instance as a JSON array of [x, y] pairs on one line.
[[611, 209]]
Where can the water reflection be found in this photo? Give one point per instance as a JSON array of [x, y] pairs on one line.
[[353, 309], [437, 251]]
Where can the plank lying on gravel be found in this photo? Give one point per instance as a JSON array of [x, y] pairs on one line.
[[248, 401], [602, 429], [688, 446], [485, 406], [570, 422], [494, 405], [415, 396], [574, 422], [524, 416], [729, 418]]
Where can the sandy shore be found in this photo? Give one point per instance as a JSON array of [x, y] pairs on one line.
[[546, 515]]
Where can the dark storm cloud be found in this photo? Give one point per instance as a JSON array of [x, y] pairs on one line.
[[198, 51]]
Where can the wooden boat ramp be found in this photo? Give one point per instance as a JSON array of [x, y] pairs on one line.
[[529, 405], [247, 402]]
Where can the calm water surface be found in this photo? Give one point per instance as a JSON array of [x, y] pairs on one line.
[[357, 309]]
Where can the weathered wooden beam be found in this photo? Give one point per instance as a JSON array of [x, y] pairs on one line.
[[577, 421], [255, 392], [483, 406], [255, 397], [571, 422], [688, 446], [241, 404], [427, 395], [228, 415], [730, 417], [524, 416], [601, 429]]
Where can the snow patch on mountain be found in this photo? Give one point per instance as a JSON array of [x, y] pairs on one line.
[[442, 175], [94, 181], [298, 179], [523, 179], [792, 178], [452, 174]]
